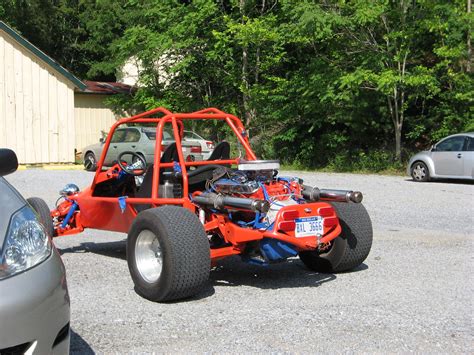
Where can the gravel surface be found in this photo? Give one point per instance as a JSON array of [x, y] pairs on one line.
[[412, 294]]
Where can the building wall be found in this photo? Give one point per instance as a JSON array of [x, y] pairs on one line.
[[36, 107], [92, 118]]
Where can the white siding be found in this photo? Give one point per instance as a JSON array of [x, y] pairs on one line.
[[92, 118], [36, 107]]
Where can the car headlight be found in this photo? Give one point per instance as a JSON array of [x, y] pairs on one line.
[[26, 244]]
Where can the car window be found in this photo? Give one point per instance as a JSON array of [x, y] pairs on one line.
[[191, 135], [453, 144], [470, 144], [132, 135], [151, 135], [119, 136], [167, 136]]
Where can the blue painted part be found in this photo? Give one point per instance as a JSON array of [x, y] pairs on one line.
[[121, 174], [176, 167], [265, 193], [228, 181], [122, 203], [69, 214], [254, 261], [274, 250], [257, 224]]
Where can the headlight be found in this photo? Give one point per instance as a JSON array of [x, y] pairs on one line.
[[26, 244]]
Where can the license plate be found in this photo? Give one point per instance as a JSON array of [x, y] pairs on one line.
[[308, 226]]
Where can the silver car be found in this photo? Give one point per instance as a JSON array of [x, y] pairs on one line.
[[34, 299], [140, 140], [450, 158]]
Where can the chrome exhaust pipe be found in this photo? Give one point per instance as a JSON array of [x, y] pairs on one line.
[[310, 193], [314, 194], [341, 196], [220, 202]]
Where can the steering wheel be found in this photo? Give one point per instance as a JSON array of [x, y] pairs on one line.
[[131, 169]]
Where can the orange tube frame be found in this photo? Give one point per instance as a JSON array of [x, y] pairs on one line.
[[232, 232]]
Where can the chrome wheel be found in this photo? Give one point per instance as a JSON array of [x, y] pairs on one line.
[[148, 256], [419, 172]]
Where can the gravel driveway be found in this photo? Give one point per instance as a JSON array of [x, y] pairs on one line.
[[414, 292]]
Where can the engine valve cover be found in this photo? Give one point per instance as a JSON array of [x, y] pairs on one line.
[[228, 186]]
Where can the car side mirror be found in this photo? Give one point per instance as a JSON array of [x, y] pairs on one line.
[[8, 162], [433, 148], [102, 140]]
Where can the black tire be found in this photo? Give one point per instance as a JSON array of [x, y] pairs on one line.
[[352, 246], [420, 172], [185, 253], [44, 214], [90, 162]]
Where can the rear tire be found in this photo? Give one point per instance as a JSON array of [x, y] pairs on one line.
[[350, 248], [90, 162], [44, 214], [420, 172], [168, 254]]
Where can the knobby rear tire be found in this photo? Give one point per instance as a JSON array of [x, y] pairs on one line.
[[350, 248]]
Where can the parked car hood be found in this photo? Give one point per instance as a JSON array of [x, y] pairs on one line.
[[94, 147], [10, 201]]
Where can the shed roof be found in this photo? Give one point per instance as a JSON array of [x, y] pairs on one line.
[[40, 54], [106, 88]]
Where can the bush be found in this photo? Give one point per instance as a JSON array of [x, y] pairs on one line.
[[361, 161]]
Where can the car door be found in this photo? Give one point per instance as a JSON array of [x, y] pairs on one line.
[[468, 157], [130, 143], [447, 157], [115, 146]]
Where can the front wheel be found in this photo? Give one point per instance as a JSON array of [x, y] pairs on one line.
[[350, 248], [420, 172], [168, 254], [44, 214], [90, 162]]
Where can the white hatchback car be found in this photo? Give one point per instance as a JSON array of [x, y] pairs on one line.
[[450, 158], [206, 146]]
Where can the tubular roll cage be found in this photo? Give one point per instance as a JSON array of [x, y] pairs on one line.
[[175, 119]]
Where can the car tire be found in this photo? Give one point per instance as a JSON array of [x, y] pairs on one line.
[[44, 214], [350, 248], [420, 172], [168, 254], [90, 162]]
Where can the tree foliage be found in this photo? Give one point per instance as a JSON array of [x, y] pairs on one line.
[[345, 84]]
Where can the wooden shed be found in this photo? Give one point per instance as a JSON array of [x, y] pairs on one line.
[[36, 102]]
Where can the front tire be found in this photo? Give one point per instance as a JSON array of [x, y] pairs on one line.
[[44, 214], [168, 254], [420, 172], [90, 162], [350, 248]]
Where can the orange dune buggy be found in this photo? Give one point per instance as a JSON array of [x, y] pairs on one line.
[[181, 216]]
